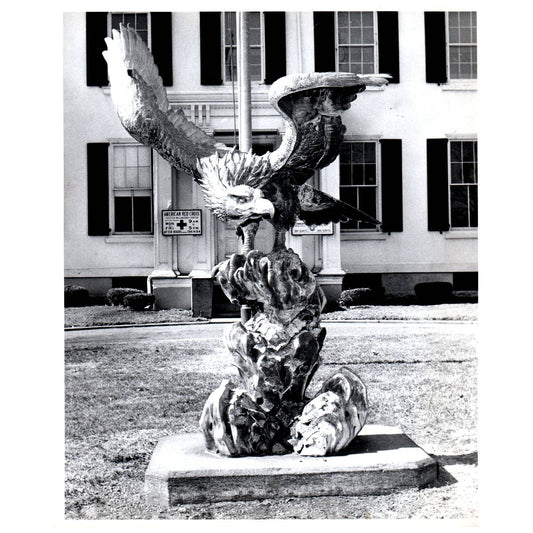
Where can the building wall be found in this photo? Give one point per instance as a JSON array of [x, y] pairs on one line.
[[412, 110], [89, 116]]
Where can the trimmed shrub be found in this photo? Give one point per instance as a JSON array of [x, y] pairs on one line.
[[360, 296], [76, 296], [139, 301], [434, 292], [116, 296]]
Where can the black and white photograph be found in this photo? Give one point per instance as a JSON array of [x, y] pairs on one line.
[[268, 220]]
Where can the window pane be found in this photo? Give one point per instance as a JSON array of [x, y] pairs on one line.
[[358, 174], [142, 216], [454, 35], [344, 54], [131, 156], [116, 19], [346, 153], [468, 151], [464, 18], [459, 206], [368, 54], [345, 175], [367, 204], [370, 174], [368, 18], [456, 173], [129, 18], [344, 36], [123, 213], [119, 175], [145, 177], [368, 36], [144, 156], [367, 68], [370, 152], [357, 152], [343, 19], [132, 177], [455, 151], [453, 19], [119, 157], [468, 173], [355, 19], [141, 22]]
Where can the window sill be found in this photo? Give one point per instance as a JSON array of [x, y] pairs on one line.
[[460, 85], [461, 234], [129, 239], [362, 236]]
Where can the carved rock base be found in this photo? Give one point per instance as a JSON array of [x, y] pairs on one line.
[[277, 352]]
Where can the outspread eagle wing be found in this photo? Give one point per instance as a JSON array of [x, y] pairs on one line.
[[143, 108], [317, 207], [311, 105]]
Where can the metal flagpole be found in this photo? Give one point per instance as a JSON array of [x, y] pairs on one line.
[[245, 103]]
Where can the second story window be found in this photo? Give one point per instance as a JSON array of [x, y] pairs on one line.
[[356, 42], [230, 46], [462, 45], [138, 21]]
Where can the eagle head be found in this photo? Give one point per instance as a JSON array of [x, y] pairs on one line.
[[244, 204], [232, 186]]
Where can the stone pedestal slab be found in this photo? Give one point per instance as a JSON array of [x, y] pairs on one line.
[[381, 459]]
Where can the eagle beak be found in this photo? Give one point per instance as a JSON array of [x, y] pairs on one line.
[[264, 207]]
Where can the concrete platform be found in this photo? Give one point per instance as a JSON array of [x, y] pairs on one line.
[[381, 459]]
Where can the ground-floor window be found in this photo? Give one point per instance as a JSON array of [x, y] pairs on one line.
[[463, 183], [131, 189], [359, 180]]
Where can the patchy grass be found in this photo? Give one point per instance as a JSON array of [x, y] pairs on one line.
[[462, 311], [121, 399], [111, 315], [106, 315]]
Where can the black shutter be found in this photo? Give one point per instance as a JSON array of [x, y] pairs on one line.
[[391, 185], [388, 45], [98, 188], [161, 23], [96, 32], [324, 29], [437, 167], [435, 31], [275, 57], [210, 48]]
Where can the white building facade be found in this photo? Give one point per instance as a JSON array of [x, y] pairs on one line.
[[409, 157]]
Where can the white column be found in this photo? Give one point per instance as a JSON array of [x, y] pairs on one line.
[[331, 244], [162, 199], [204, 245]]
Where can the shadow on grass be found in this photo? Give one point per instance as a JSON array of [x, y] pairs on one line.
[[444, 477]]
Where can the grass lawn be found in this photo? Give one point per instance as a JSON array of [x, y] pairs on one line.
[[104, 315], [121, 399]]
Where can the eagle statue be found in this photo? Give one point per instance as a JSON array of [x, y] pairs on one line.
[[240, 187]]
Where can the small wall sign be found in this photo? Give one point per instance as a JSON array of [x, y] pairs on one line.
[[181, 222], [303, 229]]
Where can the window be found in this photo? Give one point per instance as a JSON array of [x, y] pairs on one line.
[[131, 189], [230, 46], [462, 45], [359, 181], [451, 48], [138, 21], [463, 184], [218, 39], [356, 42], [362, 42], [154, 28]]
